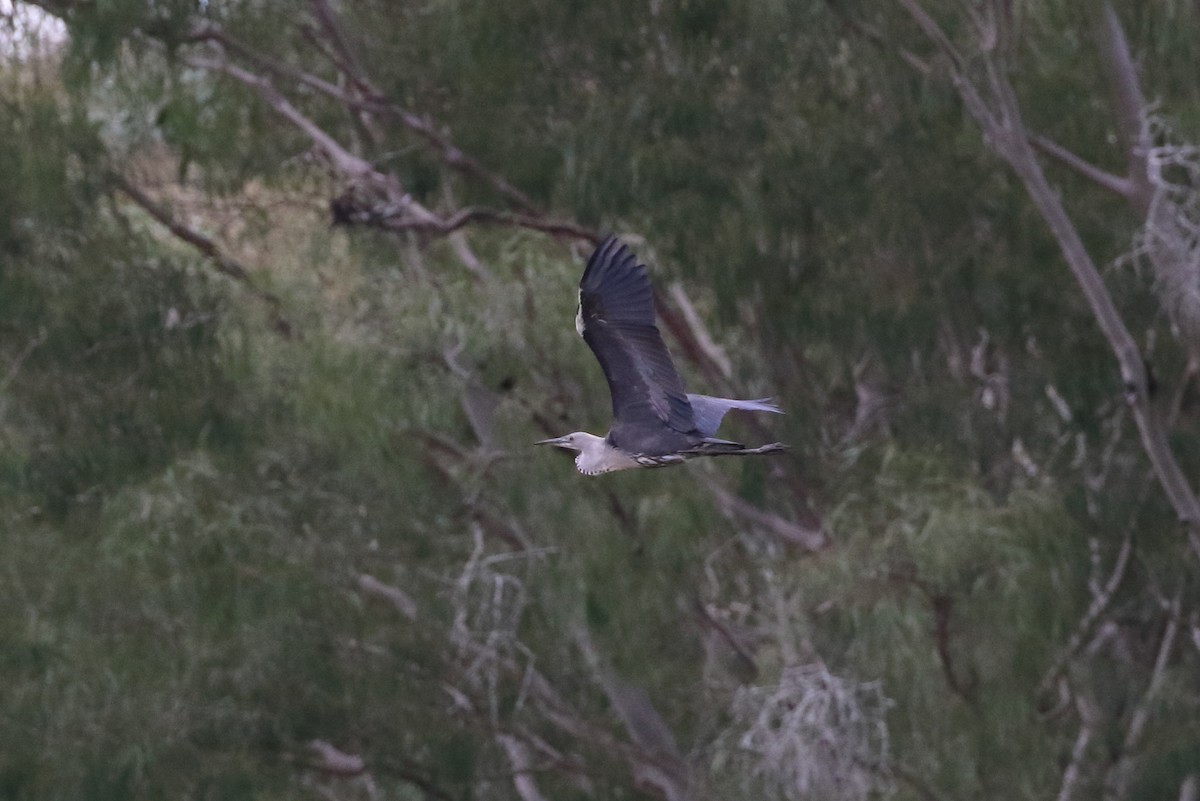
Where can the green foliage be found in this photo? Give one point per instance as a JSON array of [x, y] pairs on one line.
[[190, 501]]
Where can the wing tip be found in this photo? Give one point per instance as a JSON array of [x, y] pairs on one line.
[[610, 253]]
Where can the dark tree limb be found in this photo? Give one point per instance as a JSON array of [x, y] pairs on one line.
[[225, 264], [463, 217], [941, 603], [943, 606]]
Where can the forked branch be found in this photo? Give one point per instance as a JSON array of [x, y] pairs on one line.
[[992, 102]]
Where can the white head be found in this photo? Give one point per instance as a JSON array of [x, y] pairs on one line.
[[596, 456]]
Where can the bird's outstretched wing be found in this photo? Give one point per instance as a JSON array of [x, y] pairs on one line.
[[616, 318]]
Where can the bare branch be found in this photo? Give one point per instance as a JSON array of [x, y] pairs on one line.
[[1097, 607], [814, 734], [732, 506], [401, 212], [1005, 133], [687, 338], [519, 757], [329, 759], [712, 351], [15, 365], [397, 597], [943, 606], [736, 641], [1116, 783], [224, 263], [668, 773], [1128, 103], [1087, 729], [1189, 789], [1114, 183], [343, 160], [435, 452], [470, 215], [331, 25], [556, 711], [369, 98]]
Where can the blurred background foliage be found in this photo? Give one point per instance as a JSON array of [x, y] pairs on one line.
[[256, 525]]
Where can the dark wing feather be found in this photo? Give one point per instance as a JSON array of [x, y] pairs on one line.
[[616, 313]]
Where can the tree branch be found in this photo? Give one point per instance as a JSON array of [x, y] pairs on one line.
[[224, 263], [1005, 134], [1087, 729], [348, 61], [1082, 629], [344, 59], [1117, 184], [343, 160], [401, 212], [522, 763], [1128, 103], [556, 711], [667, 773], [15, 365], [1116, 783], [469, 215], [731, 505], [398, 598]]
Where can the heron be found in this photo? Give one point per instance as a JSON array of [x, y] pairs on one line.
[[656, 423]]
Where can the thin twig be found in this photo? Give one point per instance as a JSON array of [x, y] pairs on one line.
[[1117, 184], [1116, 783], [1087, 728], [469, 215], [15, 365], [335, 34], [1097, 607], [402, 601]]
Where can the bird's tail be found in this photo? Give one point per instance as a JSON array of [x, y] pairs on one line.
[[708, 411]]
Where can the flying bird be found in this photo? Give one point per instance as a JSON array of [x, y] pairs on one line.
[[655, 422]]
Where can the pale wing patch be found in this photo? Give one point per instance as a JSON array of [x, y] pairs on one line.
[[579, 315]]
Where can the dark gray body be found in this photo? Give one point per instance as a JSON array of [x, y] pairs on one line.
[[654, 419]]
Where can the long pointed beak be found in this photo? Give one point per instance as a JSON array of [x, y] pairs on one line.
[[559, 441]]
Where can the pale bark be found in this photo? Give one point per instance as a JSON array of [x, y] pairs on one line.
[[993, 104]]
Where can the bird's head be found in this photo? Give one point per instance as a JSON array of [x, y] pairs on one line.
[[574, 441], [595, 454]]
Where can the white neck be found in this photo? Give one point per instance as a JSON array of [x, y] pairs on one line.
[[596, 456]]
